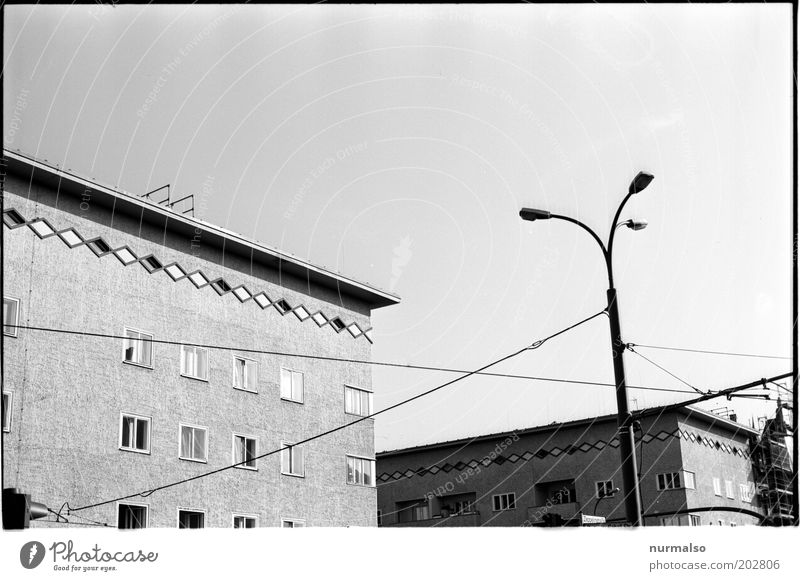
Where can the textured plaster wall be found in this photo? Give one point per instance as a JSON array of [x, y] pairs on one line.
[[69, 390]]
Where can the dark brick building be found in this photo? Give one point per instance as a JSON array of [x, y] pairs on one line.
[[696, 469]]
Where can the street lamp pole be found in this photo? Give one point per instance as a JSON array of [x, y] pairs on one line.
[[630, 478]]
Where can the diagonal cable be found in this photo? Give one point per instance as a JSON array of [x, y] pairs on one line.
[[147, 493], [629, 346]]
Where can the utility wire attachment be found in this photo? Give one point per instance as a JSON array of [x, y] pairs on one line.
[[540, 342], [629, 347]]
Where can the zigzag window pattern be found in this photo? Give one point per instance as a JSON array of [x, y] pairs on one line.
[[101, 248], [555, 452]]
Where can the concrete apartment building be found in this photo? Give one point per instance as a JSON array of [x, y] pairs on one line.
[[695, 470], [88, 418]]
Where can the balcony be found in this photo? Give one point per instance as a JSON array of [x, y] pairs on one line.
[[469, 519], [567, 511]]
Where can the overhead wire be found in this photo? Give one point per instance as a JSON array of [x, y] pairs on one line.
[[710, 352], [147, 493], [342, 359], [630, 348]]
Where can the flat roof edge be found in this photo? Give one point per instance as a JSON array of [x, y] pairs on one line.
[[18, 164], [689, 411]]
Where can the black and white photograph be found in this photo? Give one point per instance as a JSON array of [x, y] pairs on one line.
[[470, 290]]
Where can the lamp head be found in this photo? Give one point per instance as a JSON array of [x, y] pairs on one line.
[[530, 214], [640, 182], [636, 224]]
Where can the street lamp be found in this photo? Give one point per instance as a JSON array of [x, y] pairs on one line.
[[630, 481]]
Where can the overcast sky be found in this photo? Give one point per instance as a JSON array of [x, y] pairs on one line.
[[397, 144]]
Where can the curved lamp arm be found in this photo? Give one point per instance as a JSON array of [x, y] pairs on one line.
[[606, 253], [614, 224]]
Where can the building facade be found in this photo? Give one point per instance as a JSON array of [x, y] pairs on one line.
[[695, 469], [176, 361]]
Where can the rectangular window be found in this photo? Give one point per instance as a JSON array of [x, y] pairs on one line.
[[463, 506], [412, 510], [669, 481], [194, 443], [729, 489], [138, 348], [360, 471], [194, 362], [292, 460], [357, 401], [680, 520], [291, 385], [292, 523], [507, 501], [132, 516], [604, 488], [10, 316], [245, 374], [421, 512], [7, 399], [747, 491], [244, 451], [244, 521], [380, 517], [717, 487], [134, 433], [688, 480], [191, 519]]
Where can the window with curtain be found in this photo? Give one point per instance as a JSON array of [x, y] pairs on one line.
[[10, 316], [194, 443], [135, 433], [292, 460], [138, 348], [360, 471], [244, 450], [291, 385], [244, 374], [132, 516], [194, 362], [357, 401], [191, 519]]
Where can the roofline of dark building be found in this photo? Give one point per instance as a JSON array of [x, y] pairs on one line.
[[66, 182], [688, 411]]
